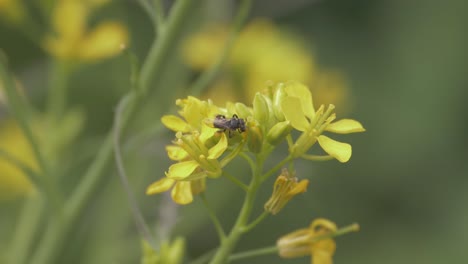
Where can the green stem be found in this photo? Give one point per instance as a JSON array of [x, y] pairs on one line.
[[21, 112], [159, 15], [149, 11], [317, 157], [256, 222], [26, 230], [52, 242], [210, 74], [57, 95], [254, 253], [214, 218], [236, 181], [228, 245], [275, 168], [274, 249], [136, 212]]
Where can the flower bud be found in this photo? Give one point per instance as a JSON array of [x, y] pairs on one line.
[[260, 108], [255, 139], [278, 96], [278, 132]]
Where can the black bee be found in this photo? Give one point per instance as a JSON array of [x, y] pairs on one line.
[[231, 124]]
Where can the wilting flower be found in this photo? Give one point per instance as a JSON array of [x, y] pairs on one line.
[[72, 40], [310, 241], [298, 109], [285, 188]]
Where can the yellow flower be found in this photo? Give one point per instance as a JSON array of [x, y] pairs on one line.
[[13, 182], [72, 40], [259, 54], [285, 188], [169, 253], [298, 108], [307, 241], [197, 149], [182, 191], [12, 11]]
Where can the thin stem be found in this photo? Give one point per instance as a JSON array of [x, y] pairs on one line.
[[274, 249], [257, 221], [228, 245], [214, 219], [204, 258], [254, 253], [316, 157], [159, 15], [52, 242], [249, 160], [21, 113], [149, 11], [58, 91], [136, 212], [26, 230], [275, 168], [236, 181], [210, 74]]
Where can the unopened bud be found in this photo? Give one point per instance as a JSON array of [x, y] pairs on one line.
[[278, 132]]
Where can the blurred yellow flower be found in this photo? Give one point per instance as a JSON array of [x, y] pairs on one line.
[[13, 182], [307, 241], [262, 52], [168, 253], [12, 11], [72, 40]]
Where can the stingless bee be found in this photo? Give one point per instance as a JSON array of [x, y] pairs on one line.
[[231, 124]]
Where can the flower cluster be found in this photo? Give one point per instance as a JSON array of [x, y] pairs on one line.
[[201, 150]]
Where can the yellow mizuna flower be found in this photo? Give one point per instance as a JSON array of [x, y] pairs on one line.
[[298, 109], [72, 40], [182, 191], [197, 149], [310, 241], [13, 182], [285, 188]]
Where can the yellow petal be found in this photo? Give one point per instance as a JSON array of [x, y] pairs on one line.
[[345, 126], [182, 170], [338, 150], [176, 152], [160, 186], [182, 193], [175, 123], [299, 90], [217, 150], [294, 114], [105, 41], [69, 20], [299, 188]]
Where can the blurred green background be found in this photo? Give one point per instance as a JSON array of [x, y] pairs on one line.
[[406, 184]]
